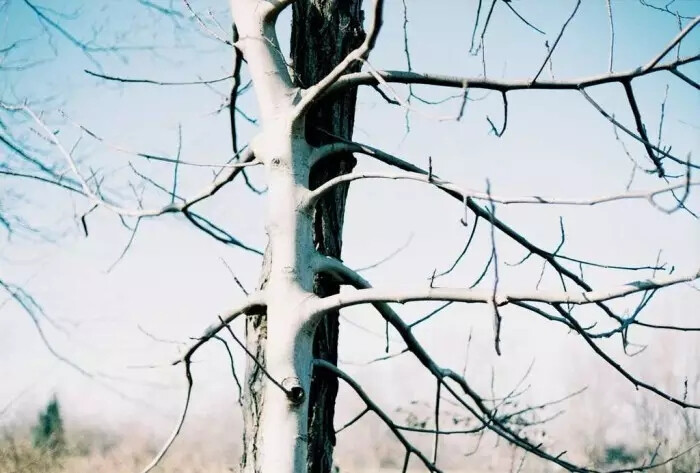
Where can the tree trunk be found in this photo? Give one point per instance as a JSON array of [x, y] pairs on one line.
[[323, 33]]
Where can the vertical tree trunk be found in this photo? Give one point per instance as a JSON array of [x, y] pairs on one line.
[[323, 33]]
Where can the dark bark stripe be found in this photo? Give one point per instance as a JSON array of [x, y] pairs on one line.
[[323, 33]]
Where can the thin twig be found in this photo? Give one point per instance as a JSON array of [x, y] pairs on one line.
[[178, 426], [612, 36], [128, 80], [556, 41], [253, 358], [641, 129], [372, 406], [497, 319], [204, 26], [510, 7]]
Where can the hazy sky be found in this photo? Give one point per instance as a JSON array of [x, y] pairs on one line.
[[172, 282]]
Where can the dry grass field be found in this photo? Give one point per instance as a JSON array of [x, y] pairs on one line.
[[100, 454], [22, 458], [204, 449], [92, 452]]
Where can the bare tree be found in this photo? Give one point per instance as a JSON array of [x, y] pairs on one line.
[[306, 106]]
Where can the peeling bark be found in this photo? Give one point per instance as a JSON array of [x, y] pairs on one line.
[[256, 337]]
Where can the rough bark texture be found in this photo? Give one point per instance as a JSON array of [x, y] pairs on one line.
[[323, 33], [256, 336]]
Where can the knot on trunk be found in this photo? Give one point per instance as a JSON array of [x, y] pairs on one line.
[[295, 393]]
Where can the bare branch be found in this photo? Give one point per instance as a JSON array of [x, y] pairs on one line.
[[205, 27], [178, 426], [556, 41], [252, 304], [173, 192], [505, 118], [437, 422], [387, 257], [645, 142], [461, 255], [235, 278], [160, 9], [217, 232], [665, 9], [316, 92], [636, 382], [164, 159], [399, 163], [476, 26], [647, 195], [510, 7], [431, 314], [126, 247], [497, 318], [46, 180], [353, 420], [685, 78], [486, 296], [481, 411], [89, 48], [612, 36], [127, 80], [372, 406], [237, 64], [253, 358], [679, 37], [641, 129], [404, 77], [246, 159]]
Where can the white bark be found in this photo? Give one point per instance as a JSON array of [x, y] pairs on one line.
[[289, 337], [485, 296], [648, 195], [281, 147]]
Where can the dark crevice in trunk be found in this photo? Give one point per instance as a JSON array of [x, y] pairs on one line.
[[323, 33]]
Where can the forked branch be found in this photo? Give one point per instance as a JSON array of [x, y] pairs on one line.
[[476, 405], [501, 299], [252, 303], [247, 158], [316, 92], [372, 406], [500, 199], [405, 77]]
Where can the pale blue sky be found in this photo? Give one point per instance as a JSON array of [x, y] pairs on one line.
[[172, 282]]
